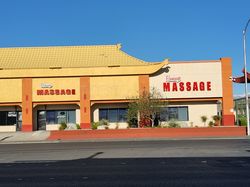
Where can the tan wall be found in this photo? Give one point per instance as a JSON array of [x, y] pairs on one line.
[[190, 72], [114, 87], [8, 128], [195, 111], [58, 83], [11, 90]]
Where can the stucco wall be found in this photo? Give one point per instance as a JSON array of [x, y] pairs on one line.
[[11, 90], [198, 109], [57, 84], [114, 87]]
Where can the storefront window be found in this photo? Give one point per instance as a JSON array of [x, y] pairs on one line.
[[8, 118], [174, 113], [103, 114], [122, 115], [72, 116], [50, 117], [61, 117], [56, 117], [113, 114]]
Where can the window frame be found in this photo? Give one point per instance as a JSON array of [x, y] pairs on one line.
[[117, 114], [55, 112], [176, 107]]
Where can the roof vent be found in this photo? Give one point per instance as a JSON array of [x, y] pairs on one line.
[[114, 66], [55, 67]]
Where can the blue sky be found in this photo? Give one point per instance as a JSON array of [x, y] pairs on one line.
[[151, 30]]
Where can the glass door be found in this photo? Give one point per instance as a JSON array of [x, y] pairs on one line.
[[41, 120]]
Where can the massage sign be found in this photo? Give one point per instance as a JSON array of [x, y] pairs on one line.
[[174, 84], [47, 89]]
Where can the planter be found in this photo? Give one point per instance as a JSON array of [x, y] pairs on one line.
[[150, 133]]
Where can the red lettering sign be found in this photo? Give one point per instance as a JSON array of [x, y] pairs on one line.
[[195, 86], [46, 92], [202, 86], [181, 84], [188, 86], [52, 92], [174, 87], [62, 92], [208, 86], [56, 92], [39, 92], [68, 92], [166, 86]]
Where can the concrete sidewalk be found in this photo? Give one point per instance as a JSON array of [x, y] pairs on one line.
[[35, 136]]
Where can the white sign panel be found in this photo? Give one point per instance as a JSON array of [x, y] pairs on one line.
[[189, 80]]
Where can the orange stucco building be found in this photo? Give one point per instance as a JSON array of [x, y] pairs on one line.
[[44, 86]]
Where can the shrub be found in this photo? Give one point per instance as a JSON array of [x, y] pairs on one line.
[[103, 122], [133, 123], [204, 119], [173, 124], [242, 120], [94, 125], [78, 126], [211, 124], [217, 120], [63, 126]]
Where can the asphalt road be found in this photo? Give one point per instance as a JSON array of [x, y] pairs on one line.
[[130, 163]]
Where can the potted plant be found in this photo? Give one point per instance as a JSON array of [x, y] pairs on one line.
[[217, 120], [204, 119]]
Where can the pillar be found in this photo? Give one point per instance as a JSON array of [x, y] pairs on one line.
[[27, 110], [85, 112], [227, 92], [143, 84]]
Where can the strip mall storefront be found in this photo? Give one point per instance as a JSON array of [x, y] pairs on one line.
[[43, 87]]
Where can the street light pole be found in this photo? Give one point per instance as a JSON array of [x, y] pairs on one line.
[[245, 72]]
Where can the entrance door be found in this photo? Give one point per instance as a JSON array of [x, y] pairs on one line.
[[41, 120], [19, 121]]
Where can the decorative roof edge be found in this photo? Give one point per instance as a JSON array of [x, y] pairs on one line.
[[77, 72]]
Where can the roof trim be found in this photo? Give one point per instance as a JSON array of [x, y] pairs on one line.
[[78, 72]]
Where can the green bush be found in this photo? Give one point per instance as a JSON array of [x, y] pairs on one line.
[[204, 119], [63, 126], [210, 124], [242, 120], [103, 122], [217, 120], [133, 123], [94, 125], [78, 126], [173, 124]]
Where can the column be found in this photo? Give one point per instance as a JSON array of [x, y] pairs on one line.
[[143, 84], [27, 110], [85, 112], [227, 92]]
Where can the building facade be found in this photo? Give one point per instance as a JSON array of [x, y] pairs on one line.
[[42, 87]]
